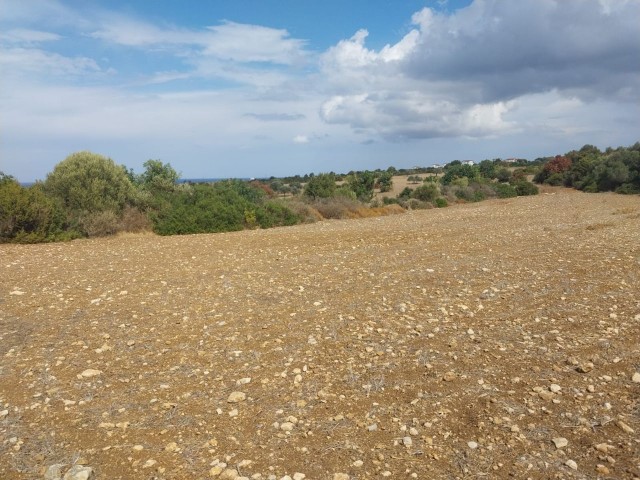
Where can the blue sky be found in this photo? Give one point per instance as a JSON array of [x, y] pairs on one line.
[[258, 88]]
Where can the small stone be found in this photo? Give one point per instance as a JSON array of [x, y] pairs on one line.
[[89, 372], [358, 463], [560, 442], [636, 377], [585, 367], [215, 471], [4, 413], [286, 427], [555, 388], [138, 448], [54, 472], [78, 472], [340, 476], [171, 447], [603, 447], [236, 397], [472, 445], [229, 474], [449, 376], [602, 469], [625, 428], [571, 464], [407, 441], [299, 476], [373, 427]]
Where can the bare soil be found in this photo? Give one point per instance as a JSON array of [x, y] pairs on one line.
[[489, 340]]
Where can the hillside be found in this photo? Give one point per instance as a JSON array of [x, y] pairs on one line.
[[498, 339]]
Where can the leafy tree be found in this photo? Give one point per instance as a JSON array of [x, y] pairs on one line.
[[320, 186], [458, 170], [487, 169], [362, 184], [158, 176], [87, 183], [385, 181]]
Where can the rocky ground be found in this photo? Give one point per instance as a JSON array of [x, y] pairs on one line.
[[490, 340]]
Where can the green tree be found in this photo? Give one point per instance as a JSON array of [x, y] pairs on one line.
[[158, 176], [86, 182], [320, 186], [93, 191], [362, 184], [458, 170], [385, 181]]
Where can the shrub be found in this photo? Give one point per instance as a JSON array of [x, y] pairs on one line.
[[441, 202], [276, 214], [524, 188], [27, 215], [427, 192], [100, 224], [504, 190]]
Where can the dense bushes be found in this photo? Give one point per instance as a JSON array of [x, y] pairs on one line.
[[27, 215], [591, 170], [220, 207]]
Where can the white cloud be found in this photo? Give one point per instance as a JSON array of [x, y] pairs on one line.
[[27, 61], [25, 35], [301, 139], [459, 74]]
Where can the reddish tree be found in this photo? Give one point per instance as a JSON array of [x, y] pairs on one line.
[[558, 165]]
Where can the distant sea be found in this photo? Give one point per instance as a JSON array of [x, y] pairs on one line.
[[180, 180]]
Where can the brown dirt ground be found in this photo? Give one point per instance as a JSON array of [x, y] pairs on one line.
[[380, 347]]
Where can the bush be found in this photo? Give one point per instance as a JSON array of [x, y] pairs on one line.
[[100, 224], [427, 192], [276, 214], [504, 190], [27, 215], [441, 202], [524, 188]]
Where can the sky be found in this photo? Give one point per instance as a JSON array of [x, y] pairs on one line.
[[260, 88]]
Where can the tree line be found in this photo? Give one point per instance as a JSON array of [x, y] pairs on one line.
[[89, 195]]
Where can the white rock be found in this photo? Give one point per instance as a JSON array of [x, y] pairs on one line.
[[299, 476], [54, 472], [78, 472], [472, 445], [555, 388], [286, 426], [571, 464], [90, 372], [636, 377], [407, 441], [236, 397], [560, 442]]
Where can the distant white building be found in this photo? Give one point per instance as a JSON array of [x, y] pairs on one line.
[[468, 162]]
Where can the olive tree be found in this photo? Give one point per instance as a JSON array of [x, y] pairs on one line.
[[93, 190]]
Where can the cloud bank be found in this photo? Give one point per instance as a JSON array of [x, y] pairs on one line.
[[497, 72]]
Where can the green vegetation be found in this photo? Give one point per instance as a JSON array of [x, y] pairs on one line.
[[591, 170], [88, 195]]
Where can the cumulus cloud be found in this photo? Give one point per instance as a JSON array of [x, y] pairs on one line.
[[458, 74]]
